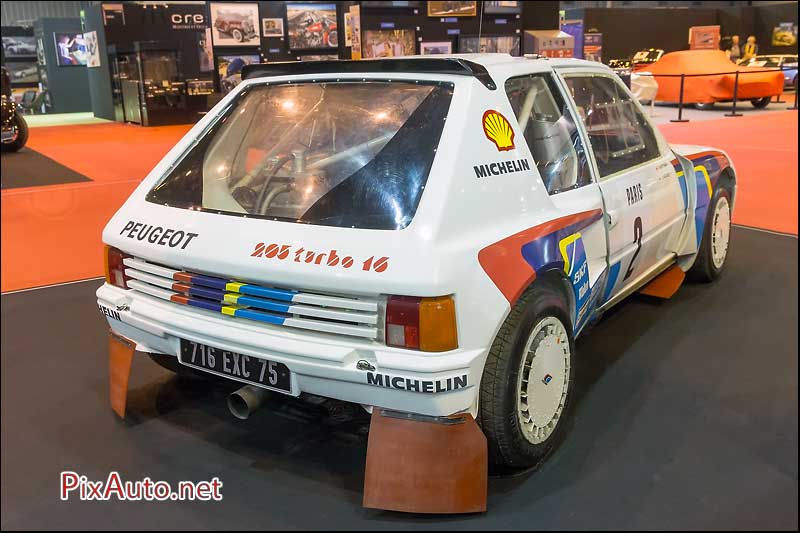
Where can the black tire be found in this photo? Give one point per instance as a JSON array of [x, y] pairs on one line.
[[760, 103], [333, 39], [22, 134], [170, 362], [497, 410], [704, 269], [237, 35], [704, 107]]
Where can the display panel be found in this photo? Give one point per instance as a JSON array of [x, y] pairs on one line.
[[235, 24], [70, 49], [504, 44], [330, 154], [388, 43], [23, 72], [502, 7], [312, 26], [435, 48], [272, 27], [452, 9], [22, 46], [230, 68]]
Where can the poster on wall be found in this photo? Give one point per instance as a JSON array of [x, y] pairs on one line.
[[318, 57], [704, 38], [272, 27], [382, 3], [22, 46], [24, 72], [593, 47], [575, 28], [70, 49], [235, 24], [388, 43], [312, 26], [40, 55], [502, 7], [452, 9], [430, 48], [205, 51], [230, 68], [92, 49], [501, 44], [348, 30], [355, 28], [785, 34]]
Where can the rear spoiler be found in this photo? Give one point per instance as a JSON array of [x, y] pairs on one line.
[[444, 65]]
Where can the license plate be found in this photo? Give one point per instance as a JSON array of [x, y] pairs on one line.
[[255, 370]]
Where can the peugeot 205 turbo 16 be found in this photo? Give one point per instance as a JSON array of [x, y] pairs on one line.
[[425, 237]]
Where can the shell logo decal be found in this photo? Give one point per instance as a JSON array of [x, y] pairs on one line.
[[498, 130]]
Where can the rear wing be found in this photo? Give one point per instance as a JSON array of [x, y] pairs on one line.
[[444, 65]]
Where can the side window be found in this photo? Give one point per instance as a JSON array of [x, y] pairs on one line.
[[550, 132], [619, 134]]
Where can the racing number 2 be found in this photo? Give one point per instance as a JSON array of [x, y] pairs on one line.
[[637, 238]]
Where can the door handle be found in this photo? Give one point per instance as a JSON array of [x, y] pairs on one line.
[[612, 218]]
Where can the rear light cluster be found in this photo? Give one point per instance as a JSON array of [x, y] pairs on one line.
[[427, 324], [115, 269]]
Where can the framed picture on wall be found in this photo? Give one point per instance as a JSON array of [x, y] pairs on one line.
[[430, 48], [229, 68], [503, 44], [23, 73], [388, 43], [92, 49], [22, 46], [502, 7], [235, 24], [452, 9], [272, 27], [70, 49], [205, 52], [312, 26], [318, 57], [379, 3]]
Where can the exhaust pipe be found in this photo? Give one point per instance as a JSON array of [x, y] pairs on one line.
[[246, 400]]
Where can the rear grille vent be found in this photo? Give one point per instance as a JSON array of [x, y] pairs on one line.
[[282, 307]]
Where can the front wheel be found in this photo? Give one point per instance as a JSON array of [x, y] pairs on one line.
[[716, 238], [238, 35], [760, 103], [21, 128], [527, 381]]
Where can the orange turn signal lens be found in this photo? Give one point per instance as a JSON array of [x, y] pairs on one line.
[[437, 324]]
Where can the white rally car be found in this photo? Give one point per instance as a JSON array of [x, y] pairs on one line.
[[422, 235]]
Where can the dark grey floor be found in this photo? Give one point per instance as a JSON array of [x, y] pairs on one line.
[[687, 418], [29, 168]]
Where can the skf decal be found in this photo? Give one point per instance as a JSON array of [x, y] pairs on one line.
[[577, 269], [634, 193], [158, 235], [501, 167], [417, 385], [332, 259], [498, 130]]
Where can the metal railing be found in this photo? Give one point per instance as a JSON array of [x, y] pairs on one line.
[[735, 73]]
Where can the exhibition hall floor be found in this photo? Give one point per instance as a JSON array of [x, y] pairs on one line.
[[686, 418]]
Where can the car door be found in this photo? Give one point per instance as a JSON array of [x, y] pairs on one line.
[[558, 150], [644, 203]]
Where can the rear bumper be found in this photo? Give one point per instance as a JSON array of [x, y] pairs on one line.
[[321, 364]]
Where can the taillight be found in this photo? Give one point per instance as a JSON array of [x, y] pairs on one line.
[[115, 269], [427, 324]]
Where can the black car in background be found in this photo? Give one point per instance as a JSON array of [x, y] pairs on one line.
[[14, 127]]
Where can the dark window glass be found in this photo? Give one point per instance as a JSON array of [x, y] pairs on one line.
[[550, 132], [619, 134], [346, 154]]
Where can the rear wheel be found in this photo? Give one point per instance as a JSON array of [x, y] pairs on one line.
[[237, 35], [760, 103], [716, 237], [526, 388]]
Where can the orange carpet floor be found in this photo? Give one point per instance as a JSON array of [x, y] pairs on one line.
[[51, 234]]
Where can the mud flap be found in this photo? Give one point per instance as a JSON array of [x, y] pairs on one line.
[[120, 357], [666, 284], [420, 464]]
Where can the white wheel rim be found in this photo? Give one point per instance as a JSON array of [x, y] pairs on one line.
[[543, 380], [720, 232]]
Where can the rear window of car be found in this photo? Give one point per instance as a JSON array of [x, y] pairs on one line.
[[344, 154]]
